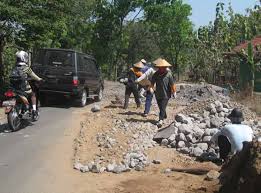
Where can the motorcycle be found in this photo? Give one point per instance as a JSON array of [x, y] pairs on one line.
[[16, 107]]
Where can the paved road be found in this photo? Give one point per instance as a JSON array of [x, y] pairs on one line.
[[21, 152]]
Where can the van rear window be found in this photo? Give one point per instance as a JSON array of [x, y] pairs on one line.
[[59, 58]]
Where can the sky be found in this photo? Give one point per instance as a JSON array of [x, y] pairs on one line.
[[203, 11]]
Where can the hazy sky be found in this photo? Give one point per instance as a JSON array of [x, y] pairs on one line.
[[204, 11]]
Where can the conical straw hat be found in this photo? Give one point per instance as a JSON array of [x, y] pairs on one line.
[[161, 63], [139, 65]]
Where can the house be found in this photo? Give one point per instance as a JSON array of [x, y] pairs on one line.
[[244, 69]]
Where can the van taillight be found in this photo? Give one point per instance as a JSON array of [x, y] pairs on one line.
[[75, 81], [9, 93]]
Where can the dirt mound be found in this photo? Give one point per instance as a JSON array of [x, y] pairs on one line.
[[200, 106], [243, 173], [198, 96], [200, 92]]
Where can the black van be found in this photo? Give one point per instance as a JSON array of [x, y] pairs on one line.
[[70, 73]]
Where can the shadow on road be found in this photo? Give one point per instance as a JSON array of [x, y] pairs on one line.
[[166, 127], [113, 107], [142, 120], [131, 113], [4, 127], [57, 103], [63, 103]]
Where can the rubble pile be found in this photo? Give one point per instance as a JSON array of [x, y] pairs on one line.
[[200, 92], [200, 106], [198, 96], [131, 152], [191, 134]]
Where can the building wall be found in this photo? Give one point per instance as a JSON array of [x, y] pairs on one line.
[[258, 81], [245, 76]]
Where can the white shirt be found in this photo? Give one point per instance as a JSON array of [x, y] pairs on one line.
[[236, 134]]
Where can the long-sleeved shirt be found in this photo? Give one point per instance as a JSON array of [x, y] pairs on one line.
[[145, 79], [147, 75], [132, 75], [236, 135], [29, 72], [164, 84]]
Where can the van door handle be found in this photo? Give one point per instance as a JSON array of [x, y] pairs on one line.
[[68, 74], [50, 76]]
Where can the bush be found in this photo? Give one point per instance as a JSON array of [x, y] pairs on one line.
[[9, 61]]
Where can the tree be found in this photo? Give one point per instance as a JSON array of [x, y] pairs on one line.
[[251, 63], [141, 43], [250, 57], [30, 23], [227, 31], [79, 26], [171, 25], [109, 40]]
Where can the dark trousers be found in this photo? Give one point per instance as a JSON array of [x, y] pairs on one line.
[[224, 146], [162, 104], [128, 92], [149, 97]]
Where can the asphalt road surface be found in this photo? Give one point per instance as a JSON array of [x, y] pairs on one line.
[[22, 152]]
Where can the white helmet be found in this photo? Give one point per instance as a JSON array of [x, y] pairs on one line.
[[22, 56]]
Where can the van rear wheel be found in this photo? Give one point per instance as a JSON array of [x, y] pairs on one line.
[[100, 95], [82, 101]]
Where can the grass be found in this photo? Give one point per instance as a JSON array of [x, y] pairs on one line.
[[253, 103]]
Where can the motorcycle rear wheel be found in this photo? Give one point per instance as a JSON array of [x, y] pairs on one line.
[[14, 121], [36, 116]]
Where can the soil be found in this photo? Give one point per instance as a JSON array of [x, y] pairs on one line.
[[2, 114], [2, 119], [243, 172], [58, 175], [152, 179], [253, 103]]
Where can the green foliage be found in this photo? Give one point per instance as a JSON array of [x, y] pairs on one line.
[[30, 24], [110, 39], [250, 57], [171, 26], [9, 63], [142, 43], [9, 60], [118, 38], [227, 31], [251, 63]]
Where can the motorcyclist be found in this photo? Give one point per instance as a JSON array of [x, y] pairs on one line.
[[22, 59]]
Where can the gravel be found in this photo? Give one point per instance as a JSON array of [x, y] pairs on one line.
[[196, 151], [190, 132], [156, 161], [164, 142], [78, 166], [84, 169], [96, 108], [212, 175], [181, 144], [195, 129]]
